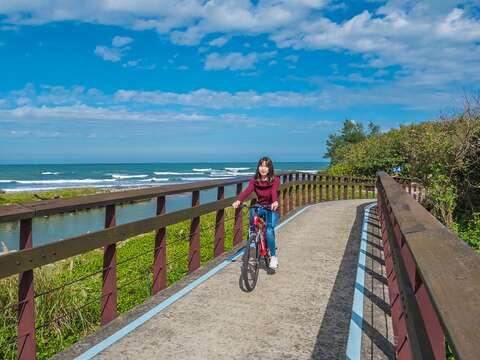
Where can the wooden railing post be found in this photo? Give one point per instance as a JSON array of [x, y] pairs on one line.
[[194, 249], [315, 188], [304, 189], [109, 287], [219, 245], [297, 192], [320, 188], [26, 342], [333, 187], [160, 253], [353, 181], [327, 188], [284, 209], [309, 189], [290, 193], [238, 223]]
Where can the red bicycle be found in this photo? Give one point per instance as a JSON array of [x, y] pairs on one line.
[[255, 250]]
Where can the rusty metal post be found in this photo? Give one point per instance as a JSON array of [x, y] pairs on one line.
[[109, 286], [26, 309], [219, 245], [194, 249], [160, 253], [238, 223]]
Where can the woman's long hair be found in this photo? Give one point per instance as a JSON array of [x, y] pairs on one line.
[[271, 172]]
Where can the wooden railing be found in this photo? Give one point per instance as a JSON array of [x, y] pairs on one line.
[[433, 278], [296, 190]]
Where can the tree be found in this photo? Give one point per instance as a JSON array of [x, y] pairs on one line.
[[351, 133]]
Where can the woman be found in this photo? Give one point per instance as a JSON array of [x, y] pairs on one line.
[[265, 184]]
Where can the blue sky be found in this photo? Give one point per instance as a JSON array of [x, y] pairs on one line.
[[147, 81]]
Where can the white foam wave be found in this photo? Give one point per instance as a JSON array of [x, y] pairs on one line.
[[121, 176], [174, 173], [50, 173], [154, 179], [7, 181], [308, 171], [42, 188], [205, 178], [202, 170], [236, 169], [63, 181]]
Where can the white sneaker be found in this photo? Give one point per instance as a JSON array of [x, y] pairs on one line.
[[273, 262]]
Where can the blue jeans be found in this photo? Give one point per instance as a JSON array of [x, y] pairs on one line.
[[271, 218]]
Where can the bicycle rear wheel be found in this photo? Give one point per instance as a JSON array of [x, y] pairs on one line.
[[250, 264]]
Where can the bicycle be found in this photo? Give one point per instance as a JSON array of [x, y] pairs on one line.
[[256, 250]]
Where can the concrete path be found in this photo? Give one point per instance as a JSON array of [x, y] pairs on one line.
[[303, 311]]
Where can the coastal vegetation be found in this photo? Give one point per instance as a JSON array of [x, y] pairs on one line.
[[442, 154]]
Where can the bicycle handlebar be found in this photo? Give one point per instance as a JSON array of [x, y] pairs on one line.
[[241, 206]]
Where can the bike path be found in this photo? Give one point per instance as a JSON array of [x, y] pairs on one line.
[[303, 311]]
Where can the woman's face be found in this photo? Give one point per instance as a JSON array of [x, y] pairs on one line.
[[263, 169]]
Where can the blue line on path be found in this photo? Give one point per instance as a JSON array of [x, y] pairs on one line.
[[354, 343], [155, 310]]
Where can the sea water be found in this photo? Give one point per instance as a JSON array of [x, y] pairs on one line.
[[116, 176]]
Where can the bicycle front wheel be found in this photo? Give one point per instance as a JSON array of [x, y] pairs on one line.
[[250, 264]]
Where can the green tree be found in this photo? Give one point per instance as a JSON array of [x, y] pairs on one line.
[[351, 133]]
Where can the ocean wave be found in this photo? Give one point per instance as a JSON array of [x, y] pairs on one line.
[[202, 170], [205, 178], [63, 181], [121, 176], [154, 179], [308, 171], [7, 181], [236, 169], [42, 188], [50, 173], [174, 173]]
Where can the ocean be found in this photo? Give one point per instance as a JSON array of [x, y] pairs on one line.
[[120, 176], [55, 176]]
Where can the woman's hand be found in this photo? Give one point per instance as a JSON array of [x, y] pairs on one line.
[[274, 206], [236, 204]]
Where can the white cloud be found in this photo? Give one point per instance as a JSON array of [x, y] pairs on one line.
[[218, 42], [108, 54], [338, 97], [120, 41], [291, 58], [235, 60], [117, 51]]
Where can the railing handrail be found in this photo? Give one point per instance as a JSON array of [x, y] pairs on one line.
[[17, 212], [448, 267]]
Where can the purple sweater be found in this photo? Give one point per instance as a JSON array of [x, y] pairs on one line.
[[266, 191]]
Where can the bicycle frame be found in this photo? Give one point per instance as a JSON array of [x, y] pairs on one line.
[[260, 226]]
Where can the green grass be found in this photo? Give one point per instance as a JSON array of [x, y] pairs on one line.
[[21, 197], [68, 314]]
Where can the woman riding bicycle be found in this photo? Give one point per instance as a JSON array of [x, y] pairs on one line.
[[265, 184]]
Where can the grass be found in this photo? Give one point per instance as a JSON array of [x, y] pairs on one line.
[[73, 311]]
